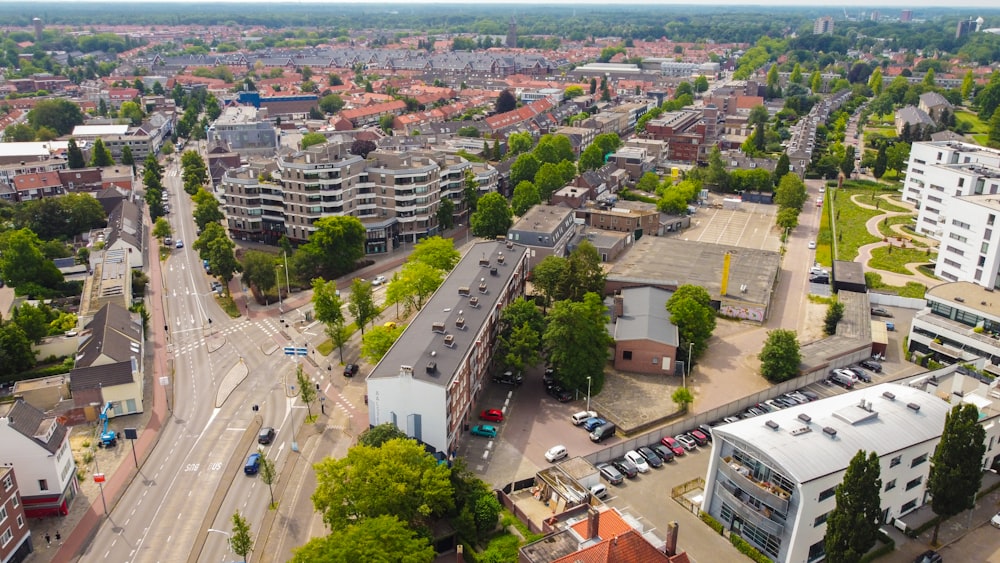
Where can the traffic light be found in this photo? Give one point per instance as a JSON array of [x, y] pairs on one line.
[[255, 408]]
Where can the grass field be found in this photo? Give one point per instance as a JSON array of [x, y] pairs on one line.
[[851, 219], [885, 225], [978, 129], [883, 259], [873, 200]]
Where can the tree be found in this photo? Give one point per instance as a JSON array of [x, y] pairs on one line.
[[524, 168], [526, 196], [875, 81], [331, 103], [791, 192], [241, 541], [968, 85], [780, 357], [327, 306], [896, 156], [788, 218], [701, 84], [691, 310], [207, 209], [682, 397], [583, 273], [58, 114], [312, 138], [382, 538], [333, 248], [131, 111], [22, 261], [161, 229], [437, 252], [796, 76], [377, 341], [268, 472], [717, 173], [18, 133], [127, 158], [259, 270], [367, 483], [547, 277], [591, 158], [834, 313], [555, 149], [758, 119], [100, 155], [213, 245], [360, 304], [852, 526], [577, 340], [419, 281], [493, 216], [994, 135], [956, 467], [74, 155], [505, 102], [816, 82], [521, 328], [847, 162], [446, 213], [878, 169], [306, 390], [683, 89], [518, 143], [572, 91], [781, 168], [377, 435], [362, 147]]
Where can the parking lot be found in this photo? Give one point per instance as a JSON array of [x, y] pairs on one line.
[[749, 226]]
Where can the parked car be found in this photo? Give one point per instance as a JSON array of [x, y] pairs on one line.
[[509, 378], [253, 464], [555, 453], [861, 374], [995, 521], [581, 417], [650, 456], [559, 394], [812, 243], [493, 415], [599, 490], [378, 280], [808, 394], [674, 445], [350, 370], [591, 424], [706, 430], [775, 404], [665, 453], [686, 441], [603, 431], [699, 437], [266, 435], [484, 430], [872, 365], [549, 377], [881, 312], [929, 556], [611, 474], [637, 460], [626, 467]]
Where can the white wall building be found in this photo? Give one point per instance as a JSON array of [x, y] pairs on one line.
[[772, 478], [428, 382], [36, 445], [961, 322]]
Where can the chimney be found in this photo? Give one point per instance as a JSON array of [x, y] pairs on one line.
[[619, 307], [458, 553], [670, 546], [593, 523]]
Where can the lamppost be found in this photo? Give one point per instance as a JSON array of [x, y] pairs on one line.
[[687, 366], [228, 535], [280, 310], [588, 392]]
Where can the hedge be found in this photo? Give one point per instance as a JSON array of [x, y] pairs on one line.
[[745, 548], [712, 522]]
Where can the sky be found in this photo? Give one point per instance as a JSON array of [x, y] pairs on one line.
[[879, 5]]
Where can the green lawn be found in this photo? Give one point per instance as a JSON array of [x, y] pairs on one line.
[[882, 204], [884, 226], [882, 259], [976, 125], [851, 219], [911, 289]]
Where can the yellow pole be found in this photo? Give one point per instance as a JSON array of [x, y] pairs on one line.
[[725, 274]]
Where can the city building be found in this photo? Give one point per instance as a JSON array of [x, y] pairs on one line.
[[823, 25], [36, 446], [683, 69], [108, 366], [773, 478], [645, 338], [545, 230], [15, 535], [690, 133], [244, 132], [906, 16], [961, 322], [428, 383]]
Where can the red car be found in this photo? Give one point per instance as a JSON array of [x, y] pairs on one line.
[[493, 415], [674, 445]]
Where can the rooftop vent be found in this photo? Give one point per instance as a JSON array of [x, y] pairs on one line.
[[500, 258], [474, 302], [465, 291], [482, 285], [484, 262], [432, 367], [406, 369], [913, 407], [771, 424], [460, 321], [831, 432], [800, 431], [960, 299], [437, 327], [805, 418], [449, 341], [493, 271], [889, 395]]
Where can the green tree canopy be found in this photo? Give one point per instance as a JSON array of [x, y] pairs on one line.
[[791, 192], [377, 435], [100, 155], [327, 304], [852, 527], [493, 216], [22, 262], [691, 310], [331, 103], [957, 465], [397, 479], [382, 538], [526, 196], [361, 304], [333, 248], [377, 341], [780, 357], [524, 168], [312, 138], [58, 114], [259, 270], [577, 340], [16, 353], [437, 252]]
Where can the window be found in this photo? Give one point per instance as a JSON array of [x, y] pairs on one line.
[[898, 459], [827, 493], [914, 483], [7, 536], [820, 520], [43, 484], [918, 460], [20, 521], [8, 482], [3, 513], [14, 501], [908, 506], [890, 485], [627, 355]]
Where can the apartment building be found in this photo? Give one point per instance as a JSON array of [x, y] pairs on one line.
[[428, 383], [690, 133], [960, 323], [773, 478], [36, 445], [244, 132], [15, 535], [546, 230]]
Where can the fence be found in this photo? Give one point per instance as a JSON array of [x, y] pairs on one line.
[[889, 300]]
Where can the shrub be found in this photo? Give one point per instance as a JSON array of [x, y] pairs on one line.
[[750, 551], [712, 522]]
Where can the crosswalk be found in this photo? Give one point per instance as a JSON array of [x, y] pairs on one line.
[[269, 327]]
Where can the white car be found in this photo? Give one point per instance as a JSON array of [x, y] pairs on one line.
[[995, 521], [582, 416], [379, 280], [822, 189], [556, 453], [599, 490], [640, 462], [812, 245]]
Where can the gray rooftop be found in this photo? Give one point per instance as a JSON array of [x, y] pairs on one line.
[[645, 317], [804, 455], [34, 424], [419, 341], [670, 261]]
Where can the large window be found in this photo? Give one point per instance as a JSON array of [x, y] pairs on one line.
[[827, 493], [914, 483]]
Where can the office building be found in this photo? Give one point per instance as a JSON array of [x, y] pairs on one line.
[[823, 25]]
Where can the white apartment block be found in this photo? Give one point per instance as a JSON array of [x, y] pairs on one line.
[[960, 323], [956, 187], [772, 478], [241, 129]]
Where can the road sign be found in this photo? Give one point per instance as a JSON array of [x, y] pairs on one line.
[[301, 351], [296, 351], [289, 350], [98, 477]]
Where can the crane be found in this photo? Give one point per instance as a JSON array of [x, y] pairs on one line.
[[108, 437]]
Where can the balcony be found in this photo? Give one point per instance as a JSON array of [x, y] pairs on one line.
[[759, 518], [767, 493]]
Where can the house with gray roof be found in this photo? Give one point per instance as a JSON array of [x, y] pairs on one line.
[[912, 116], [109, 365], [646, 339], [36, 446], [126, 233]]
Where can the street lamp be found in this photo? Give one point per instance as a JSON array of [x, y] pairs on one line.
[[687, 366], [588, 392]]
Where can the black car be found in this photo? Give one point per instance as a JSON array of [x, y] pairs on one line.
[[611, 474], [861, 374], [559, 394], [872, 365], [929, 556], [350, 370], [881, 312], [650, 456], [626, 467], [665, 453], [823, 280], [509, 378], [549, 377], [266, 435]]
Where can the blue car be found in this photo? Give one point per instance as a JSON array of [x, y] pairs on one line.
[[484, 430], [253, 464], [591, 423]]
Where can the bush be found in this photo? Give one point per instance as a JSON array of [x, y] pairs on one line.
[[887, 547], [750, 551], [712, 522]]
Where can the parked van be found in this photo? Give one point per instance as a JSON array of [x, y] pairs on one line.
[[843, 379], [603, 431]]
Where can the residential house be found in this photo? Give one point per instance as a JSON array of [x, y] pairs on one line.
[[37, 185], [934, 105], [108, 364], [646, 340], [15, 535], [914, 117], [36, 446], [125, 232], [545, 230]]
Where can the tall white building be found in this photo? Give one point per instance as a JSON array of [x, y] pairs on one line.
[[956, 187], [772, 478]]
